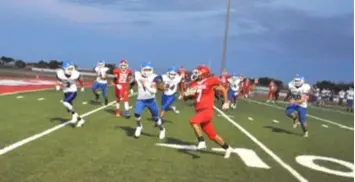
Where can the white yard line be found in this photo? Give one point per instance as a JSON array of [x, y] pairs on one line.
[[40, 99], [275, 121], [46, 132], [19, 97], [293, 172], [250, 119], [308, 115]]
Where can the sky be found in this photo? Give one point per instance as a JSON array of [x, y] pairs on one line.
[[275, 38]]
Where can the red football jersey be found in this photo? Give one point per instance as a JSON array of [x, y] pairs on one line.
[[224, 79], [204, 97], [272, 87], [183, 73], [122, 77]]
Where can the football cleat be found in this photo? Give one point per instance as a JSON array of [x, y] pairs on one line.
[[162, 134], [305, 134], [80, 123], [228, 152], [74, 118], [201, 145], [138, 131]]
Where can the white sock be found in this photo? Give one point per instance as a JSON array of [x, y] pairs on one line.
[[173, 108], [126, 106], [117, 105], [68, 105]]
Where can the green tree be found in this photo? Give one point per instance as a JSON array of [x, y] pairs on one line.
[[42, 64], [20, 64], [7, 60], [54, 64]]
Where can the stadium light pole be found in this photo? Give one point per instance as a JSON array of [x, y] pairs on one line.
[[226, 32]]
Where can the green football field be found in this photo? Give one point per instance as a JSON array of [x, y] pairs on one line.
[[37, 145]]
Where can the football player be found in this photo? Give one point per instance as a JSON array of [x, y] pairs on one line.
[[123, 78], [101, 81], [171, 81], [233, 91], [184, 77], [272, 92], [201, 90], [68, 76], [148, 83], [350, 99], [297, 108]]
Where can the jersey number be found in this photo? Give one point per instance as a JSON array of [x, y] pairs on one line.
[[122, 78], [199, 95], [170, 87], [67, 84]]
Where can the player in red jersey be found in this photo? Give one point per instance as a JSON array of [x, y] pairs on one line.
[[224, 78], [201, 90], [246, 88], [184, 74], [122, 80], [272, 92]]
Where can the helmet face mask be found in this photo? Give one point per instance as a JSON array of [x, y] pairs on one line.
[[69, 70], [147, 71], [298, 82], [172, 74], [123, 65], [195, 74]]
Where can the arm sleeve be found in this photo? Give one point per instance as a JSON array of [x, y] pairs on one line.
[[214, 81]]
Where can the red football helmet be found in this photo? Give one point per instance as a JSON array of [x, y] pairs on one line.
[[123, 64], [200, 73]]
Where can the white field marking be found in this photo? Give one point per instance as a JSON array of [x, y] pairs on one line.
[[297, 175], [308, 115], [250, 119], [27, 91], [40, 99], [84, 103], [48, 131], [275, 121], [19, 97], [325, 126]]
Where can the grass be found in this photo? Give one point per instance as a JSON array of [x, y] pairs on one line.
[[104, 149]]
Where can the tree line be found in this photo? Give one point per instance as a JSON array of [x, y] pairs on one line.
[[262, 81]]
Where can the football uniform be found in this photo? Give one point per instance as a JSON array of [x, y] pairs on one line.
[[101, 83], [296, 94], [183, 74], [203, 103], [341, 96], [272, 90], [350, 98], [122, 82], [224, 80], [171, 87], [234, 86], [69, 84], [146, 94]]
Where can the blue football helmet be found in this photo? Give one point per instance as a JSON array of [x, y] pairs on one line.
[[101, 64], [68, 67], [172, 72], [147, 69], [298, 80]]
